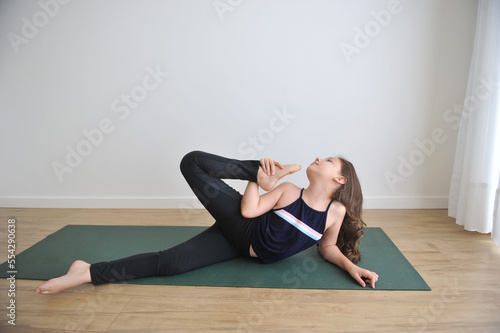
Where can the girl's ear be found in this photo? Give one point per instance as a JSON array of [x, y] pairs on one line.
[[340, 179]]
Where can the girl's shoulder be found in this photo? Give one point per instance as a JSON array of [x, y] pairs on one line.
[[338, 207], [289, 193], [288, 186], [290, 189], [336, 214], [337, 210]]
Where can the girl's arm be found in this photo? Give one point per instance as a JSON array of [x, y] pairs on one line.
[[253, 204], [332, 253]]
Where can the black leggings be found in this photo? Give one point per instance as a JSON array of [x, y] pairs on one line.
[[228, 238]]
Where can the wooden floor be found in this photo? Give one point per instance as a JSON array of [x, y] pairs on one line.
[[462, 268]]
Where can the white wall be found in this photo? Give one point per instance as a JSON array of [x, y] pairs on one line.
[[233, 66]]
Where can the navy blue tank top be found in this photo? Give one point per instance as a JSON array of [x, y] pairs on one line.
[[283, 232]]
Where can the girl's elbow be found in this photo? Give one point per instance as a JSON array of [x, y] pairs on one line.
[[322, 251], [247, 213], [325, 250]]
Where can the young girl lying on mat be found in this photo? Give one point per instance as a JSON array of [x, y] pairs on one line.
[[270, 227]]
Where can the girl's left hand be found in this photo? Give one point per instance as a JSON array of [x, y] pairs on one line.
[[269, 166], [359, 273]]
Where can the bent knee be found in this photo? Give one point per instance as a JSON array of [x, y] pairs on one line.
[[189, 159]]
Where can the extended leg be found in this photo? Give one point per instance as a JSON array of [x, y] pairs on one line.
[[205, 249], [209, 247]]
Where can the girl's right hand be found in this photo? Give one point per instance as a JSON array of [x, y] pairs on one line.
[[363, 276], [269, 166]]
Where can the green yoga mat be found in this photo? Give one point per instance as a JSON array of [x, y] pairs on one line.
[[52, 256]]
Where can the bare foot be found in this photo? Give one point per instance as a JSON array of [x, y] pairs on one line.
[[78, 273], [267, 182]]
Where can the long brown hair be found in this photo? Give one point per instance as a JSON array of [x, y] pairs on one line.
[[351, 196]]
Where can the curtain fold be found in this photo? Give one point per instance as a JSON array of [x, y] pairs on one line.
[[474, 192]]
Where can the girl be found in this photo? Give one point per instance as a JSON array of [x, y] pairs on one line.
[[270, 227]]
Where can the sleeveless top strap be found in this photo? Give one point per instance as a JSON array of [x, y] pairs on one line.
[[327, 208], [301, 191]]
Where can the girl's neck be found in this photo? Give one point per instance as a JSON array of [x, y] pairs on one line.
[[319, 193]]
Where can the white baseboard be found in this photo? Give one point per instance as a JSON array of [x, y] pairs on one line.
[[193, 203], [110, 203]]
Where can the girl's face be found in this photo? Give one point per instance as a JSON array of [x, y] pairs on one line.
[[327, 168]]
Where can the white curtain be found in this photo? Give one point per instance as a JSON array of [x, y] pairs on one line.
[[474, 198]]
